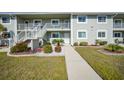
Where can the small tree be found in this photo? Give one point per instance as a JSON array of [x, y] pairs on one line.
[[57, 41], [1, 28]]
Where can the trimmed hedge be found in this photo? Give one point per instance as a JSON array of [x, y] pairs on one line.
[[75, 44], [1, 27], [47, 49], [47, 43], [114, 48], [19, 47], [99, 42], [83, 43], [103, 42]]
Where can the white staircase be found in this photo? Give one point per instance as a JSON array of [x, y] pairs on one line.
[[35, 33], [21, 36], [42, 32], [29, 32]]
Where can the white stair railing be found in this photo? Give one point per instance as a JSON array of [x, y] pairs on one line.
[[24, 35], [21, 36], [42, 31], [34, 32]]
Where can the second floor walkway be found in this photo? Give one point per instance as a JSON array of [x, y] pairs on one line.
[[48, 26]]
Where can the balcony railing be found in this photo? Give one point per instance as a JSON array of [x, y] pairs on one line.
[[118, 25], [59, 26], [31, 26]]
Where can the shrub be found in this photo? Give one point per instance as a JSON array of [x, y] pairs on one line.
[[19, 47], [47, 49], [120, 50], [58, 49], [54, 41], [102, 42], [113, 47], [99, 42], [83, 43], [47, 43], [1, 27], [75, 44], [116, 41]]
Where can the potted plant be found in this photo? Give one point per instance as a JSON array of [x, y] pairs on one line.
[[58, 48], [56, 41]]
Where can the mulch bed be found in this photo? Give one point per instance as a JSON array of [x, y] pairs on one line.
[[110, 52], [28, 52], [93, 46], [23, 53]]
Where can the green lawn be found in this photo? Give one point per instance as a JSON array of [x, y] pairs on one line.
[[108, 67], [37, 68]]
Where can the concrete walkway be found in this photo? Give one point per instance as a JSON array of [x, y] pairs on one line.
[[77, 67]]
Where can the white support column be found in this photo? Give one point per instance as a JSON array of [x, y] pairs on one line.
[[15, 30], [71, 23], [25, 34]]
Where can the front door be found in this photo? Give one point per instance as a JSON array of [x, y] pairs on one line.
[[67, 38]]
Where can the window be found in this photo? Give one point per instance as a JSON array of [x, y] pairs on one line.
[[37, 22], [117, 21], [81, 19], [55, 35], [82, 35], [102, 19], [117, 34], [26, 22], [5, 19], [101, 35], [55, 22], [66, 21]]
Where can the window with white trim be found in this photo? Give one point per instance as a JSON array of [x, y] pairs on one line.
[[101, 19], [81, 34], [81, 19], [55, 22], [101, 34], [37, 22], [117, 34], [5, 19], [117, 21]]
